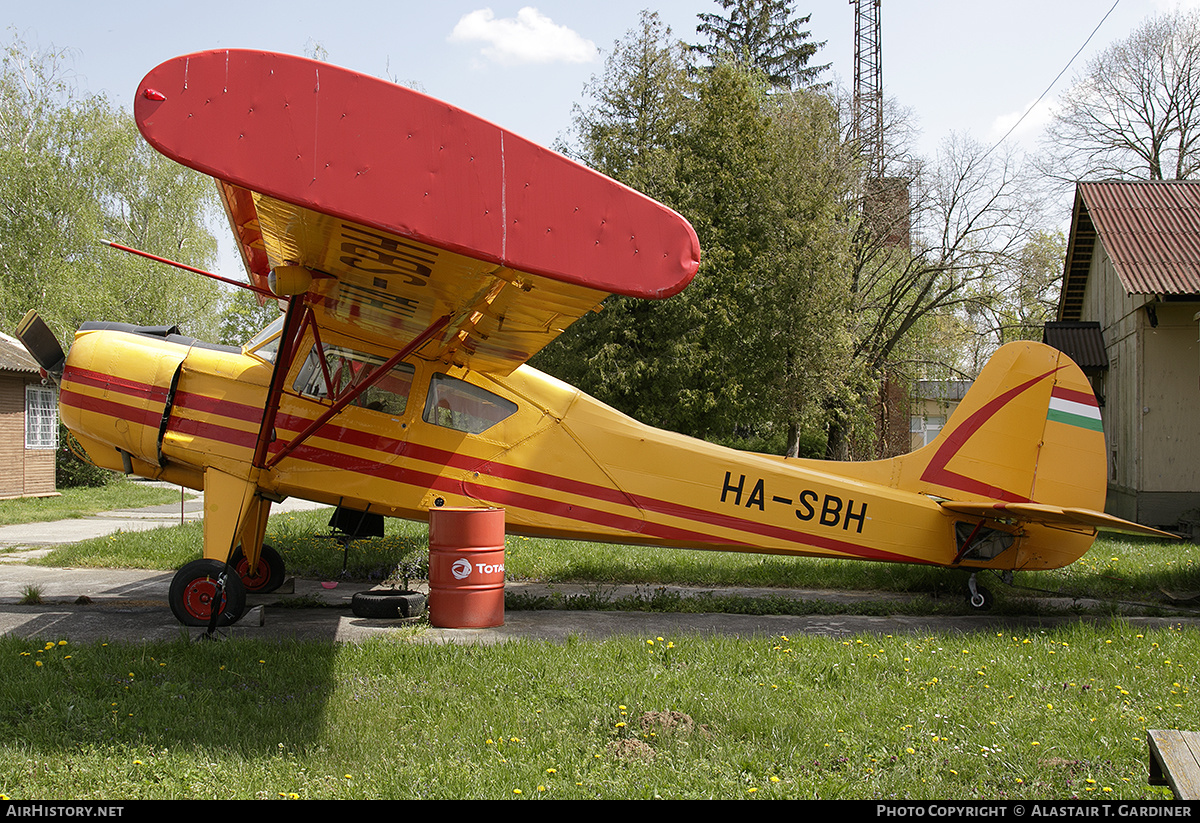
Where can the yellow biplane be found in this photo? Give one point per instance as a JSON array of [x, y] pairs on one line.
[[422, 256]]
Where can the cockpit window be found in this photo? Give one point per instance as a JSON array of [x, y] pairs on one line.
[[346, 369], [456, 404], [266, 342]]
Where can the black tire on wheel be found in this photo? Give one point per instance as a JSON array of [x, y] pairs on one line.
[[980, 601], [387, 604], [270, 574], [194, 588]]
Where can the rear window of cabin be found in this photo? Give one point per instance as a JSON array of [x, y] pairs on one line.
[[459, 405]]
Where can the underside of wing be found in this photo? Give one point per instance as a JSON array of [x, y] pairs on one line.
[[383, 287], [1050, 515], [404, 209]]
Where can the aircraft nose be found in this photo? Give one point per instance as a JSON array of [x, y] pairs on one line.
[[114, 394]]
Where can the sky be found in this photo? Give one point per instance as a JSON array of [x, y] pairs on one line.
[[960, 66]]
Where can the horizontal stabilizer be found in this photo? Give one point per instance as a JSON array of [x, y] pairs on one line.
[[1051, 515]]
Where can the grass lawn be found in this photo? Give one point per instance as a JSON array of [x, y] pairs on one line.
[[72, 503], [998, 714]]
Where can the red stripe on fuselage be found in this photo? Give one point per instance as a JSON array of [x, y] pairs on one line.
[[502, 497], [111, 408], [120, 385]]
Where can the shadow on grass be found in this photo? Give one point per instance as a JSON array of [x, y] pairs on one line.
[[246, 696]]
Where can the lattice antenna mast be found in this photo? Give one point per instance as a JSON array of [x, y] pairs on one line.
[[868, 86]]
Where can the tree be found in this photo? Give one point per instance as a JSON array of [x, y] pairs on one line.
[[74, 171], [1028, 298], [964, 221], [741, 355], [637, 107], [243, 316], [763, 35], [814, 289], [1135, 111]]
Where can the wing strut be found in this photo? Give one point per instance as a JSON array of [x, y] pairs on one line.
[[289, 338], [371, 379], [270, 295]]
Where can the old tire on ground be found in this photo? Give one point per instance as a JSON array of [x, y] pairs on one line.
[[387, 604], [270, 570], [194, 590]]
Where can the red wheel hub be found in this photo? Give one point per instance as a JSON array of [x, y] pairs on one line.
[[198, 597]]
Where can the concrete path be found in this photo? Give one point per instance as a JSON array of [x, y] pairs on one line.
[[83, 605]]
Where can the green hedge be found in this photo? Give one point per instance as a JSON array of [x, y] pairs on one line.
[[70, 472]]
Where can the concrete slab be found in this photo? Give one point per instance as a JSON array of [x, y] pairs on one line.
[[130, 605], [55, 533]]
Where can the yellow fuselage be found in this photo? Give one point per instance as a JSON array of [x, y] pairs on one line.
[[561, 464]]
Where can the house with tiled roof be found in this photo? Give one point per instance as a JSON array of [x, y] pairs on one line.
[[28, 424], [1128, 314]]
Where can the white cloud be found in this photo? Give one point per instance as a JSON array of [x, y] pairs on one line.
[[1024, 124], [530, 37]]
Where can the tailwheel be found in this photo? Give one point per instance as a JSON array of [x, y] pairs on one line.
[[978, 597], [270, 574], [200, 585]]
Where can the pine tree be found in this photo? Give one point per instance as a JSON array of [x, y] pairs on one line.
[[764, 35]]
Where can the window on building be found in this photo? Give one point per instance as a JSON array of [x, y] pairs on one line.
[[925, 429], [41, 418], [459, 405]]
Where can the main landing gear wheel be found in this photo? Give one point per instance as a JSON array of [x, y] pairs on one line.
[[270, 570], [201, 584]]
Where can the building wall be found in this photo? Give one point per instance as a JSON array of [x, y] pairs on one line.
[[1169, 481], [27, 472], [1151, 395]]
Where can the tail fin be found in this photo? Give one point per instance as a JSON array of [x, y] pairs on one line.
[[1028, 431], [1026, 443]]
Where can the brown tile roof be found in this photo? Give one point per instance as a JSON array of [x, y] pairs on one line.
[[13, 356], [1150, 229]]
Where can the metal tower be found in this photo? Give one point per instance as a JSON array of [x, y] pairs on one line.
[[868, 86]]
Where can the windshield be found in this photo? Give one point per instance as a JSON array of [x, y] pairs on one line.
[[266, 342]]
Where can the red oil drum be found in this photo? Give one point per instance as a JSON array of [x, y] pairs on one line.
[[466, 568]]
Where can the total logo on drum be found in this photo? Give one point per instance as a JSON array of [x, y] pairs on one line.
[[461, 569]]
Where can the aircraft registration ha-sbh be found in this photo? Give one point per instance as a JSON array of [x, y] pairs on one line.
[[423, 256]]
